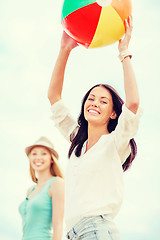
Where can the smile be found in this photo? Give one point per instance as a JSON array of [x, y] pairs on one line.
[[93, 111], [38, 164]]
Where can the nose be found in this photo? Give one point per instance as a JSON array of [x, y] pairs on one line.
[[37, 156], [95, 103]]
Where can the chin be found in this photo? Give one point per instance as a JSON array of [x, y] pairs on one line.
[[93, 121], [37, 168]]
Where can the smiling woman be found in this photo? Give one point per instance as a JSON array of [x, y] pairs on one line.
[[42, 210], [99, 104], [102, 146]]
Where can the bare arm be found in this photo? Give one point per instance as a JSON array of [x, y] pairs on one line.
[[57, 79], [130, 84], [57, 194]]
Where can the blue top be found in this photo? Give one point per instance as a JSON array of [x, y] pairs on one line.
[[36, 213]]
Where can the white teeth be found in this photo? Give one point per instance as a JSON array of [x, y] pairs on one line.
[[38, 164], [93, 111]]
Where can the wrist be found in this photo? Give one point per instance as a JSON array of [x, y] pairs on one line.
[[124, 54], [65, 49]]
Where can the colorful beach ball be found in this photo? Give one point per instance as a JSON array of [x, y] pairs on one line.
[[95, 23]]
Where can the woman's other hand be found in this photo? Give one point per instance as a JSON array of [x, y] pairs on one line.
[[123, 43], [67, 42]]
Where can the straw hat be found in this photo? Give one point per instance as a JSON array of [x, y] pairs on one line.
[[45, 142]]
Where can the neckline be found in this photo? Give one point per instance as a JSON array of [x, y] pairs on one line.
[[27, 198], [84, 152]]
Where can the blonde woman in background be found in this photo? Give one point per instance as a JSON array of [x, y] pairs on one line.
[[42, 210]]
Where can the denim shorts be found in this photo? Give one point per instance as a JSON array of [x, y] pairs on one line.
[[94, 228]]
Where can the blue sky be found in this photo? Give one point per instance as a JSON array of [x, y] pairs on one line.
[[30, 38]]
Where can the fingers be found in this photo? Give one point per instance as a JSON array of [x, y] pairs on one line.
[[120, 40], [130, 21], [128, 24], [67, 42], [123, 43]]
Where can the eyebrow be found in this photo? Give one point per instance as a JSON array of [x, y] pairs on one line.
[[101, 97]]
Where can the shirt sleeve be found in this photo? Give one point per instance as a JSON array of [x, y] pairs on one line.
[[126, 129], [63, 120]]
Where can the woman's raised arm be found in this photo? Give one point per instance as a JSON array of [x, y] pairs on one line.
[[56, 83], [130, 84]]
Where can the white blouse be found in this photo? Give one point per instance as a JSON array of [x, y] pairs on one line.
[[94, 181]]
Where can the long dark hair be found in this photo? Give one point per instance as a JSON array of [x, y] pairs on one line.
[[82, 134]]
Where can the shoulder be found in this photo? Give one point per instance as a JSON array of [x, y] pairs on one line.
[[59, 108], [131, 114], [128, 121], [57, 181], [57, 186]]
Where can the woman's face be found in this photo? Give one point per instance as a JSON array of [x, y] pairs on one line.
[[40, 158], [98, 108]]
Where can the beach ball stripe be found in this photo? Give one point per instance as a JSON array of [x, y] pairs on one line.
[[114, 31], [70, 6], [123, 8], [84, 23], [93, 25]]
